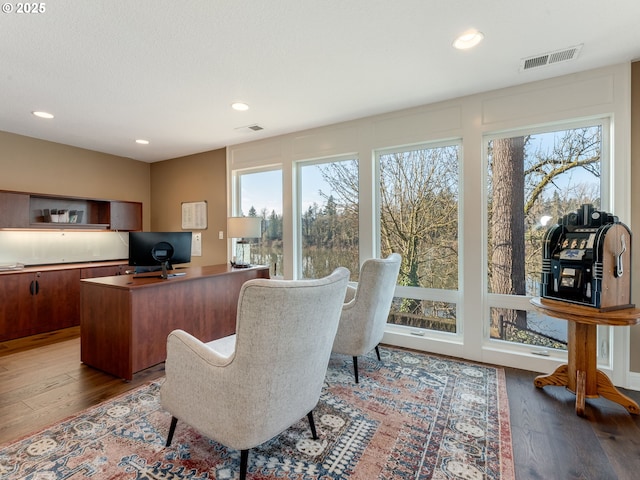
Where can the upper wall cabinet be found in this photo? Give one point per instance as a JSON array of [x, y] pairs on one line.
[[125, 216], [30, 210], [14, 210]]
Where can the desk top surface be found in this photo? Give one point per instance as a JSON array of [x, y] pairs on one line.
[[585, 314], [151, 279]]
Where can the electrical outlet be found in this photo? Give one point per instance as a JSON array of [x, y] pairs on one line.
[[196, 244]]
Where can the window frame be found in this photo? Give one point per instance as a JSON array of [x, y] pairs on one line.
[[423, 293], [235, 203], [522, 302], [298, 167]]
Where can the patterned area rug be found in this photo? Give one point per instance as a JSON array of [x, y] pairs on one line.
[[412, 416]]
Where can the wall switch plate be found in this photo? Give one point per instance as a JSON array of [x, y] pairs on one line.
[[220, 235], [196, 244]]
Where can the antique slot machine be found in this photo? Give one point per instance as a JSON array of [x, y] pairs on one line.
[[587, 260]]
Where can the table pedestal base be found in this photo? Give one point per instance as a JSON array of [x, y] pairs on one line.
[[580, 374], [603, 388]]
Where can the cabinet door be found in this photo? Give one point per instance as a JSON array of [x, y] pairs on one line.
[[57, 299], [17, 308], [126, 216], [14, 210]]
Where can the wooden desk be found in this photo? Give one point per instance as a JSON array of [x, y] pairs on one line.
[[581, 375], [125, 321]]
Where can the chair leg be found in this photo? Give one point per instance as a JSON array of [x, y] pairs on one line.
[[312, 424], [378, 352], [244, 460], [355, 367], [172, 429]]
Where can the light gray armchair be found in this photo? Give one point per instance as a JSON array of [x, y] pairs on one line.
[[245, 389], [366, 308]]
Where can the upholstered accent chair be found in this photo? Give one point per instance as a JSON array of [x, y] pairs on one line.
[[366, 308], [245, 389]]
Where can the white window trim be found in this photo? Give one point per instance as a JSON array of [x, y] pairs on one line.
[[298, 165], [615, 338]]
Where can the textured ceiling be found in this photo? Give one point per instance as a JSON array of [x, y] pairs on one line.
[[167, 71]]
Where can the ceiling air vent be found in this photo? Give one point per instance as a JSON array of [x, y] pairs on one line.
[[550, 58], [253, 128]]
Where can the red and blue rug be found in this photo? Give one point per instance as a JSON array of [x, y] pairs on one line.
[[412, 416]]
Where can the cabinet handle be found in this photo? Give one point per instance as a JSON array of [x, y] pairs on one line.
[[37, 287], [32, 287]]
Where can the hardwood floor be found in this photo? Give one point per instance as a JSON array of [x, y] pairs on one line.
[[551, 442], [42, 381]]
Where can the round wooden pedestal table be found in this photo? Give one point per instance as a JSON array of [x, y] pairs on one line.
[[581, 375]]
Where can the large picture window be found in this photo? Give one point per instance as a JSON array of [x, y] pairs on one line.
[[418, 215], [329, 217], [534, 178], [260, 195]]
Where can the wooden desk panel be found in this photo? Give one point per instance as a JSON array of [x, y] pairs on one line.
[[125, 320]]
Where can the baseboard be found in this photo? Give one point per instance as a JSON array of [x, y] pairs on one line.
[[634, 381]]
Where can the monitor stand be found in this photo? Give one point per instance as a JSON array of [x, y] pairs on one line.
[[166, 266]]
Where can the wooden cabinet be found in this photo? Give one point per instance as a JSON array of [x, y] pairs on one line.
[[17, 307], [106, 271], [57, 297], [30, 210], [38, 302], [126, 216], [14, 210]]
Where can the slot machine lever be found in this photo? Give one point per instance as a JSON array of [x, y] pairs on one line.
[[619, 270]]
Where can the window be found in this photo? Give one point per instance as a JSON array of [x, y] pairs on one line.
[[418, 215], [534, 178], [448, 298], [259, 194], [329, 217]]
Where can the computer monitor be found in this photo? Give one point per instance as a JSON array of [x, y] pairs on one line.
[[153, 251]]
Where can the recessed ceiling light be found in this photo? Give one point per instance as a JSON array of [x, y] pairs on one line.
[[240, 106], [142, 141], [468, 40], [42, 114]]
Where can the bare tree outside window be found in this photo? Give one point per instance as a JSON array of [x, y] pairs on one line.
[[419, 220], [419, 214], [418, 202], [533, 181]]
